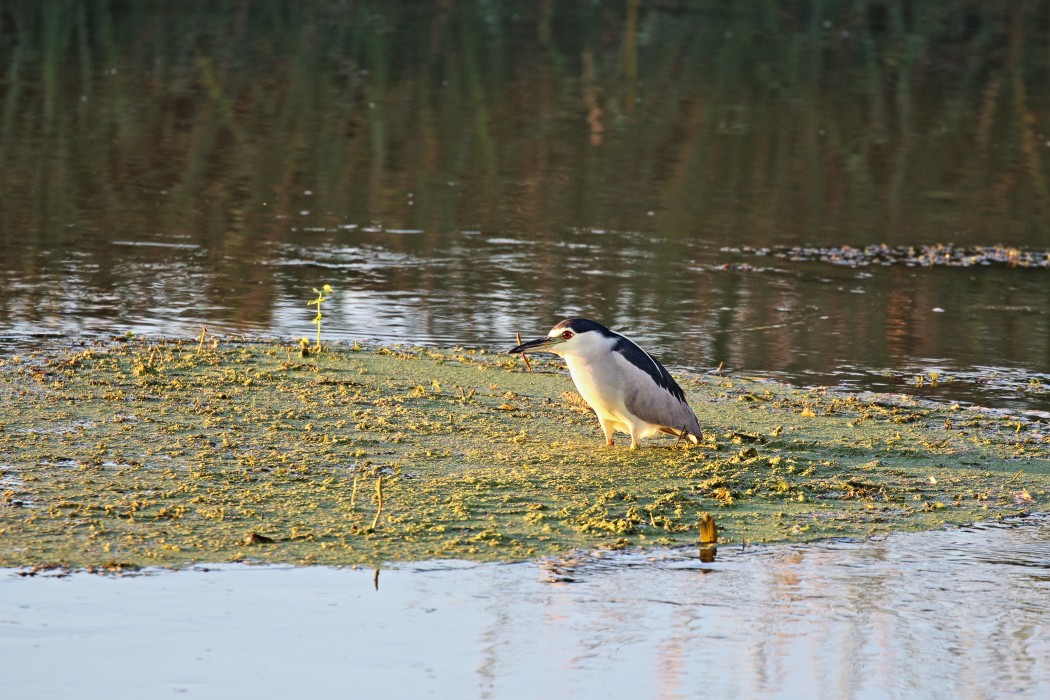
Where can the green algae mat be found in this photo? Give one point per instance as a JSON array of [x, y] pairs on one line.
[[165, 453]]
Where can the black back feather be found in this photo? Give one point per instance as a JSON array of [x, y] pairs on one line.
[[631, 352]]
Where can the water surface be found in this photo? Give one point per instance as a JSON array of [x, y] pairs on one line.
[[461, 171], [959, 614]]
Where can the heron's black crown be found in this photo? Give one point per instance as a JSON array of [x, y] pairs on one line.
[[582, 325]]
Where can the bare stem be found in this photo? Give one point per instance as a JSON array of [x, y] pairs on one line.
[[523, 355], [708, 529], [379, 495]]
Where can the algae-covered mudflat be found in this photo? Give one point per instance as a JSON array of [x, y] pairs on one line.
[[132, 453]]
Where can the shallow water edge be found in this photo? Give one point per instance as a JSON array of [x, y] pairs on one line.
[[955, 613]]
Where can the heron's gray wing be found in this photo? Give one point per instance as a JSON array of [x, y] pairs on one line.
[[656, 404], [652, 394], [648, 364]]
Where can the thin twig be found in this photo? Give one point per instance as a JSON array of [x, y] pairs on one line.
[[523, 355], [353, 493], [204, 333]]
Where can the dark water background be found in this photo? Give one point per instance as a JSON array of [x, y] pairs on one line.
[[459, 171]]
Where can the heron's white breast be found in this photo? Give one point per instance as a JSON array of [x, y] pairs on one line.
[[599, 377]]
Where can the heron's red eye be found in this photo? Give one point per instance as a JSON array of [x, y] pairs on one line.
[[566, 335]]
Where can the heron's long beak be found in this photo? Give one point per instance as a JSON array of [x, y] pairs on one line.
[[536, 345]]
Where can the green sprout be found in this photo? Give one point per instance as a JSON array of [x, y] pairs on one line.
[[321, 298]]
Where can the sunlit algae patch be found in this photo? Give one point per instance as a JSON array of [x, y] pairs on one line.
[[164, 453]]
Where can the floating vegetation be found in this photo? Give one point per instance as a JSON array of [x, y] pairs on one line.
[[143, 453], [946, 255]]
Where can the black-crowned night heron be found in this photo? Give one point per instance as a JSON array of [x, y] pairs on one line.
[[629, 391]]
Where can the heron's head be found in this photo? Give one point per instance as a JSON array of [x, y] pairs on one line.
[[572, 337]]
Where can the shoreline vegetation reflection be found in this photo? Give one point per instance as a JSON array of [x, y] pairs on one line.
[[458, 168]]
